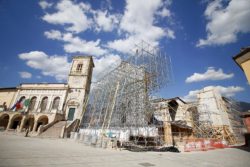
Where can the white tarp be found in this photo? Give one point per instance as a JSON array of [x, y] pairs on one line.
[[121, 134]]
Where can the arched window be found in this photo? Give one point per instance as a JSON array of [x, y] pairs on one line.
[[22, 99], [44, 104], [32, 103], [79, 67], [56, 102], [18, 104]]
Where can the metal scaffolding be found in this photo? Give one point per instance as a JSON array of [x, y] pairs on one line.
[[221, 119], [237, 126], [119, 100], [120, 106], [201, 119]]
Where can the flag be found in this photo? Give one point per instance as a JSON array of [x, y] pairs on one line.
[[27, 102], [19, 104]]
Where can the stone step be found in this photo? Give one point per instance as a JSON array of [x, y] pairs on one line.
[[54, 131]]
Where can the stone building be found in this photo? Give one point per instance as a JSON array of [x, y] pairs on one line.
[[223, 114], [174, 119], [212, 116], [45, 107], [243, 61], [7, 97]]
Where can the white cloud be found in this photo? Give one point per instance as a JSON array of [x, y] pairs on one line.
[[55, 66], [224, 91], [139, 17], [70, 14], [164, 12], [76, 44], [138, 23], [229, 91], [78, 17], [105, 21], [191, 95], [53, 34], [58, 66], [170, 33], [210, 74], [105, 64], [124, 45], [45, 4], [226, 22], [25, 75]]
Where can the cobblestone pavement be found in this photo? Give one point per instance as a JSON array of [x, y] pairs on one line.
[[20, 151]]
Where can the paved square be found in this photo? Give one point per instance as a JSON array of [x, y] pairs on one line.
[[18, 151]]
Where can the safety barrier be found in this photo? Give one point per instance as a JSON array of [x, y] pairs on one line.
[[204, 145]]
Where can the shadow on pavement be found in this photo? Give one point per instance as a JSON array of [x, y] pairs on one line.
[[244, 148], [152, 149]]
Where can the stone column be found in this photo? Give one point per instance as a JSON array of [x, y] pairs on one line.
[[9, 123], [35, 125], [22, 124], [168, 139], [49, 103]]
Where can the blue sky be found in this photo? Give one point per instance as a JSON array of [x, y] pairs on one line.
[[38, 38]]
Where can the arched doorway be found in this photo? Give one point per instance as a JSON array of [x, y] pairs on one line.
[[16, 121], [29, 123], [43, 120], [4, 120]]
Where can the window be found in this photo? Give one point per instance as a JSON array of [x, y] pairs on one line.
[[32, 103], [56, 103], [79, 67], [44, 104]]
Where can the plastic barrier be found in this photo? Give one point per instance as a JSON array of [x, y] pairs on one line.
[[76, 136], [72, 135], [219, 144], [195, 145], [204, 145], [81, 137]]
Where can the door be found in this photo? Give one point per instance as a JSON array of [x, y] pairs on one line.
[[71, 114]]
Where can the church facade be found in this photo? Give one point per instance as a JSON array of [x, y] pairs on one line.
[[39, 106]]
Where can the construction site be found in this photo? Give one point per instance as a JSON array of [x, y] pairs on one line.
[[122, 110]]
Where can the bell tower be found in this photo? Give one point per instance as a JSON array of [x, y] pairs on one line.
[[79, 81]]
